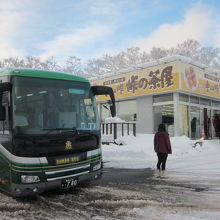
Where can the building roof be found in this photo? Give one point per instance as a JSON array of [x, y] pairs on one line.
[[158, 62], [40, 74], [165, 75]]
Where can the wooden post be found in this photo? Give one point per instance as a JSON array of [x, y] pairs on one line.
[[128, 128], [115, 131], [122, 129], [103, 128], [134, 129], [106, 128]]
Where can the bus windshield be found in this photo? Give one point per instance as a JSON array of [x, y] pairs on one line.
[[48, 106]]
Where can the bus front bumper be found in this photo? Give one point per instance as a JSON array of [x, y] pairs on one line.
[[21, 190]]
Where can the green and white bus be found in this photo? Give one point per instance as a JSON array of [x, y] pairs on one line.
[[49, 130]]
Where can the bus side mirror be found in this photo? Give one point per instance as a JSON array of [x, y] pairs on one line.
[[105, 90], [2, 113]]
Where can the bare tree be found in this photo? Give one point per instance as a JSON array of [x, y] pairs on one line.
[[131, 57], [208, 56], [12, 62], [157, 53], [50, 64], [73, 65], [30, 62], [113, 63], [189, 48]]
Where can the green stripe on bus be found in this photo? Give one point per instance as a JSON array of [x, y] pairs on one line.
[[93, 156], [17, 169], [45, 165], [58, 167], [4, 158], [29, 164]]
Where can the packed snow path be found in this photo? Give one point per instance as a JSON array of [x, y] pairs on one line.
[[128, 189], [120, 194]]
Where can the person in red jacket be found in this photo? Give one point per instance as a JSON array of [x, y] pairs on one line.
[[162, 147]]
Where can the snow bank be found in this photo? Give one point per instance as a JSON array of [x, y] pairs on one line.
[[113, 120], [186, 161]]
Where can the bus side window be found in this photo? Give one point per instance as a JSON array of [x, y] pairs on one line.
[[4, 125], [1, 127]]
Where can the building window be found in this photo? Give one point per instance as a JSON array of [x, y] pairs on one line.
[[163, 98], [205, 102], [183, 97], [164, 114], [194, 99], [216, 104], [105, 111], [126, 110]]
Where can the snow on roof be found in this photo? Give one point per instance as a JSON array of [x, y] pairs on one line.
[[158, 62]]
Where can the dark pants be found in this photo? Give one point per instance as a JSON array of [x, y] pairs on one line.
[[162, 158]]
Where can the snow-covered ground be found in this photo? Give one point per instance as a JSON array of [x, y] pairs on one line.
[[189, 163], [192, 191]]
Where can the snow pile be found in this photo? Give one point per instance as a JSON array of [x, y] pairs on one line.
[[188, 160], [107, 138], [121, 141], [113, 120], [134, 153], [138, 152]]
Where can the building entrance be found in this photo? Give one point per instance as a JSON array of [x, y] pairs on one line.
[[216, 123], [195, 122], [207, 123]]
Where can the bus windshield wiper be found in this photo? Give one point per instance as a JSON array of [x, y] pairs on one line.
[[73, 129], [81, 131], [91, 132]]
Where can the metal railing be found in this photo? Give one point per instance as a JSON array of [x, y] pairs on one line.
[[117, 129]]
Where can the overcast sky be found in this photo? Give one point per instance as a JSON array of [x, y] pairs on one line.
[[91, 28]]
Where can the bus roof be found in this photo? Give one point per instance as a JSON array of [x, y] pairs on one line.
[[40, 74]]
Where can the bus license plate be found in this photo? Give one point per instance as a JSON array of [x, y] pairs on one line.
[[68, 183]]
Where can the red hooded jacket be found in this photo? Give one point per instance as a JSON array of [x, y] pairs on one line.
[[162, 142]]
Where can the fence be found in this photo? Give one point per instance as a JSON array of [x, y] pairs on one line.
[[117, 129]]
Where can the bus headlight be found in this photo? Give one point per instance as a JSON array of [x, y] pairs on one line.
[[29, 179], [97, 167]]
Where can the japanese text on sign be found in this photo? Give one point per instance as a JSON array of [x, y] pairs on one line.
[[154, 80]]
